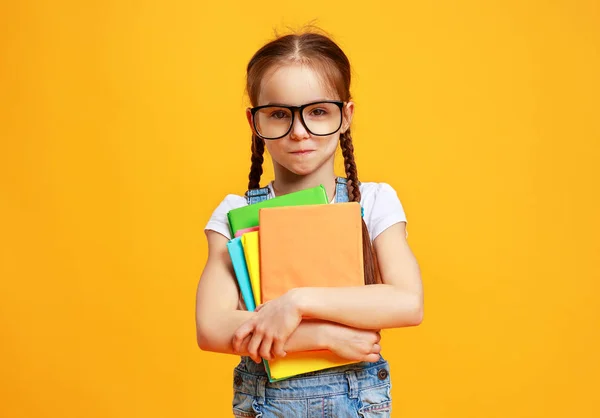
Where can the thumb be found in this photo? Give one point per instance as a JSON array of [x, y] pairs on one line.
[[372, 358]]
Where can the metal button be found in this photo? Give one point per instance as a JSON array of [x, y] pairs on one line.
[[237, 380], [382, 374]]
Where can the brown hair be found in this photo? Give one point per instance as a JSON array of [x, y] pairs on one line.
[[326, 57]]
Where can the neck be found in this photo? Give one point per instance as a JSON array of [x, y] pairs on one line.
[[287, 182]]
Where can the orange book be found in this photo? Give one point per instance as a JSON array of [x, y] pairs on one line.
[[309, 246]]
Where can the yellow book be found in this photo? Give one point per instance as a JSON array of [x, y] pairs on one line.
[[302, 362], [252, 255]]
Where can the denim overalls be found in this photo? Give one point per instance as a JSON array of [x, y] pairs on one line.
[[355, 390]]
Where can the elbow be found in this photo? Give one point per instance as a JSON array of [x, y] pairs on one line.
[[418, 311], [412, 313], [417, 315], [202, 341], [203, 337]]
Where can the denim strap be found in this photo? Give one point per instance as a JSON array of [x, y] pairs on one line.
[[341, 191], [257, 195], [261, 194]]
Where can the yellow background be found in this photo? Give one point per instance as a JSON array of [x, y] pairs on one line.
[[122, 127]]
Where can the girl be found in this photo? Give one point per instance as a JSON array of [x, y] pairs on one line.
[[299, 87]]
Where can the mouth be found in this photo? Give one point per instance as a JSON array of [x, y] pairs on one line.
[[302, 152]]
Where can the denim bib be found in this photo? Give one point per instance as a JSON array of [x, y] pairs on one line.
[[259, 195]]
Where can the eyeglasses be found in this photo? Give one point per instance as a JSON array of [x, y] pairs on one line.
[[276, 121]]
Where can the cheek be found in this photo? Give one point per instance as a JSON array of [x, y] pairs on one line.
[[273, 147], [331, 144]]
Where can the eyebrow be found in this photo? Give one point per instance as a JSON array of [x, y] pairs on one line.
[[284, 104]]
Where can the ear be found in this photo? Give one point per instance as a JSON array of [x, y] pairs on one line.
[[348, 112], [249, 117]]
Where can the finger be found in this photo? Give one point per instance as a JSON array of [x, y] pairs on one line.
[[372, 358], [259, 307], [240, 345], [378, 336], [278, 346], [365, 348], [240, 334], [265, 348], [244, 345], [376, 349], [253, 347]]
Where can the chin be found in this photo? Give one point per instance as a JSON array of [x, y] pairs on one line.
[[301, 170]]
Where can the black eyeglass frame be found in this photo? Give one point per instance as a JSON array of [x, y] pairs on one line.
[[300, 110]]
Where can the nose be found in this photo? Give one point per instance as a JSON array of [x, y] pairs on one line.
[[298, 131]]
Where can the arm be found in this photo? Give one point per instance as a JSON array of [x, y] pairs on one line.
[[396, 303], [217, 316]]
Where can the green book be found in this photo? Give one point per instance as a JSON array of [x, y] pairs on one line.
[[247, 216]]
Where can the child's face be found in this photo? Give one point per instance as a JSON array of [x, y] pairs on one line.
[[299, 151]]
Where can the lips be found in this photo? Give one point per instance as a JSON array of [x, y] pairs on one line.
[[302, 152]]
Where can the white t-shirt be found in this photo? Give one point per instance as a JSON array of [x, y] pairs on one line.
[[379, 200]]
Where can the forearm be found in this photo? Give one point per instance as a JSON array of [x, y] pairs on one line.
[[366, 307], [217, 335]]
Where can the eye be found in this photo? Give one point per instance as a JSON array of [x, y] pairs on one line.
[[278, 114], [318, 112]]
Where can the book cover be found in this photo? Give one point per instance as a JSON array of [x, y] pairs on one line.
[[310, 246], [238, 260], [252, 257]]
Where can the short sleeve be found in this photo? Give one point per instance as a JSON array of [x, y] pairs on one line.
[[218, 220], [387, 210]]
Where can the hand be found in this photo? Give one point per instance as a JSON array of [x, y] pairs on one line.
[[353, 343], [274, 322]]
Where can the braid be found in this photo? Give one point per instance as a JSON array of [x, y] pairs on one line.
[[256, 170], [371, 267], [350, 166]]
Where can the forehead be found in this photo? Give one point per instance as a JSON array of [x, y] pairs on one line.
[[294, 84]]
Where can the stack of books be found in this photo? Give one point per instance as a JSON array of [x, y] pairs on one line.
[[296, 240]]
